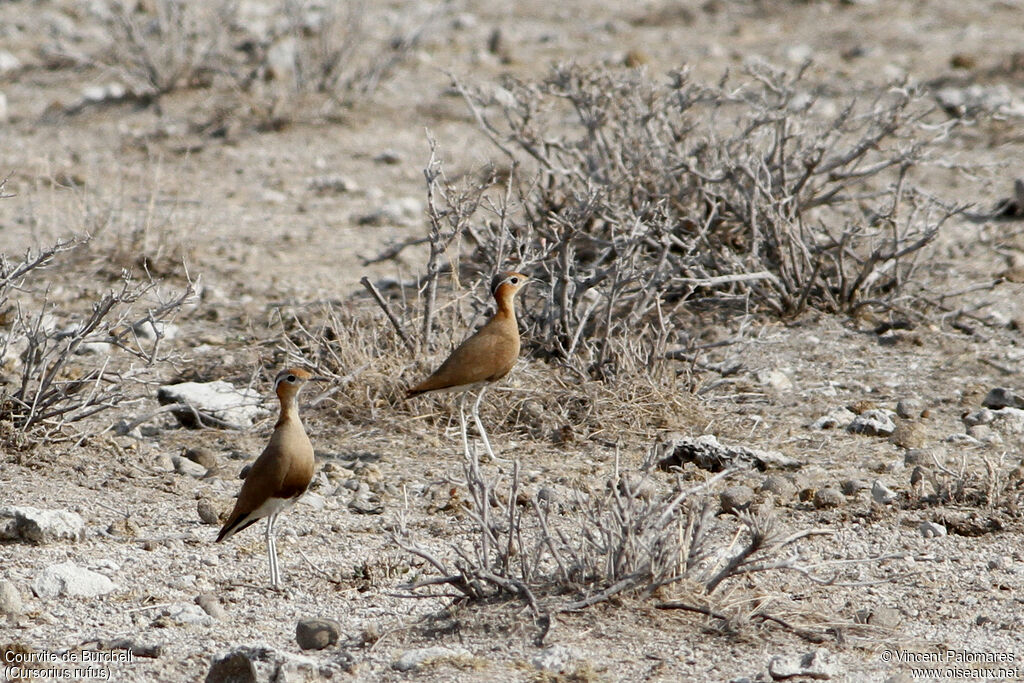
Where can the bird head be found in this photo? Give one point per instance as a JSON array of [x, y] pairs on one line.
[[289, 382], [507, 284]]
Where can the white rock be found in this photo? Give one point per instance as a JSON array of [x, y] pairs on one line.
[[819, 665], [555, 659], [840, 417], [931, 529], [148, 330], [881, 493], [40, 526], [411, 660], [1008, 421], [187, 467], [187, 613], [219, 400], [3, 108], [775, 378], [10, 599], [69, 579], [8, 62], [873, 423]]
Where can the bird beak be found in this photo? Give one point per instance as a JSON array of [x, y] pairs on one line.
[[319, 378]]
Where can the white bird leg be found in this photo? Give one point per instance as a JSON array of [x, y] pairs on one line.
[[462, 424], [480, 425], [275, 578]]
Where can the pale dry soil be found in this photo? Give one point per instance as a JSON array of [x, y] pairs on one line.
[[242, 213]]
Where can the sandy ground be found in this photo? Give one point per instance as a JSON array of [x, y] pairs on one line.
[[244, 212]]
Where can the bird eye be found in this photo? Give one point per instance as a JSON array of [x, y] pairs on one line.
[[514, 280], [291, 378]]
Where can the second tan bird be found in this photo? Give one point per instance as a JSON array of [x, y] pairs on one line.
[[482, 359]]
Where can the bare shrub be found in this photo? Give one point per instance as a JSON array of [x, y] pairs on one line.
[[624, 539], [633, 198], [58, 360], [325, 56], [158, 47]]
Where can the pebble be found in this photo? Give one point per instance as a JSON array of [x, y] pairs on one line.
[[978, 417], [316, 634], [10, 599], [840, 417], [909, 434], [207, 511], [556, 659], [262, 664], [188, 468], [186, 613], [69, 579], [931, 529], [412, 660], [818, 665], [828, 498], [850, 487], [331, 184], [909, 408], [875, 422], [8, 62], [389, 156], [881, 493], [1002, 397], [779, 486], [736, 498], [32, 525], [202, 456], [885, 617], [211, 605]]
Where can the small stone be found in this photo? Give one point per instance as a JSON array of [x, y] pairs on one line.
[[316, 634], [918, 456], [187, 614], [556, 659], [1008, 421], [366, 505], [207, 512], [909, 434], [202, 456], [873, 423], [775, 379], [978, 417], [840, 417], [211, 605], [261, 664], [32, 525], [828, 498], [10, 599], [909, 408], [150, 330], [331, 184], [413, 660], [736, 499], [881, 493], [1002, 397], [125, 527], [188, 468], [69, 579], [779, 486], [1000, 563], [885, 617], [389, 156], [819, 665], [851, 487], [8, 62], [931, 529]]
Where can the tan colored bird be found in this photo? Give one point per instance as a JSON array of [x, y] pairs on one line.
[[281, 474], [483, 358]]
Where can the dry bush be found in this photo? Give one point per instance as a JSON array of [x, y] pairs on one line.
[[626, 538], [60, 358], [321, 57], [632, 198], [160, 46], [372, 366]]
